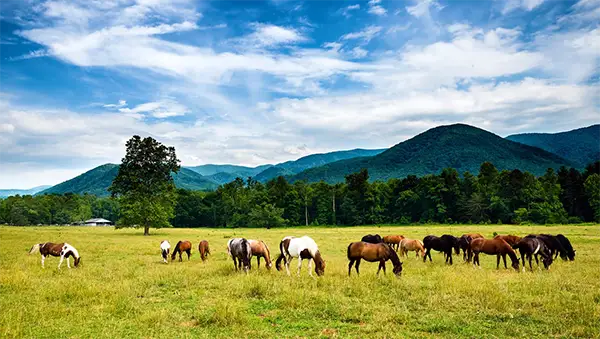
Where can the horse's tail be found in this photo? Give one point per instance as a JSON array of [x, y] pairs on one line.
[[34, 248], [348, 250], [280, 257]]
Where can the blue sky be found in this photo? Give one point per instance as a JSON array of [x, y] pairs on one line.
[[262, 82]]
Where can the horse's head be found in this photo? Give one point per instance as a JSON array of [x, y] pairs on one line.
[[269, 264], [456, 245], [547, 261], [572, 256], [398, 270], [515, 263], [77, 261], [319, 264]]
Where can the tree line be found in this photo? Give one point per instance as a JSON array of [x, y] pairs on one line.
[[492, 196]]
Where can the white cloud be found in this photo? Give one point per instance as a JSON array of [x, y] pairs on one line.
[[375, 8], [366, 34], [358, 52], [122, 103], [271, 35], [346, 11], [422, 8], [158, 109], [526, 5]]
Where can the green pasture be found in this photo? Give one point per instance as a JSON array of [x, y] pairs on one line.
[[122, 290]]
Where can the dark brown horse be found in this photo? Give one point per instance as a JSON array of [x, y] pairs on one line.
[[496, 246], [393, 241], [62, 250], [510, 239], [443, 244], [182, 246], [203, 249], [373, 253], [533, 246]]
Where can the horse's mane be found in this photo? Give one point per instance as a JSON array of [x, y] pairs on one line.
[[267, 248], [393, 256]]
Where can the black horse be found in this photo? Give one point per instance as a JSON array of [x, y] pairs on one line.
[[464, 243], [553, 244], [372, 238], [567, 246], [534, 246], [444, 244]]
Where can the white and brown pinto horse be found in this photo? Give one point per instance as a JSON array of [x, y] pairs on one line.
[[301, 248], [62, 250], [165, 247], [260, 250]]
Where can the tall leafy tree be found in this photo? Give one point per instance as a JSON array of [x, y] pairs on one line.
[[144, 184]]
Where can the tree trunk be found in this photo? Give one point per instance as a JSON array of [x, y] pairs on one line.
[[146, 230], [306, 213]]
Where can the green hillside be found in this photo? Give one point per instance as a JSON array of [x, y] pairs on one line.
[[97, 181], [581, 146], [211, 169], [460, 146]]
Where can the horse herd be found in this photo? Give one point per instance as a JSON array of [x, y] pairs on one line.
[[371, 248]]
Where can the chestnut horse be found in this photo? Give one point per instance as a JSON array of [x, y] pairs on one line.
[[373, 253], [496, 246], [510, 239], [415, 245], [203, 249], [62, 250], [260, 249], [182, 246], [393, 241]]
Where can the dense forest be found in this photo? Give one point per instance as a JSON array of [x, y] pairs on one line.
[[492, 196]]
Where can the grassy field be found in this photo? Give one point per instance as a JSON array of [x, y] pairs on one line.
[[123, 290]]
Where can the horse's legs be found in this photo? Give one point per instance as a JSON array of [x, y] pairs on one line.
[[299, 266], [529, 257], [497, 261], [257, 262], [537, 262], [43, 258], [310, 268], [287, 265], [68, 264], [356, 266], [62, 257], [504, 259], [189, 252], [379, 269], [235, 265], [350, 266], [383, 265]]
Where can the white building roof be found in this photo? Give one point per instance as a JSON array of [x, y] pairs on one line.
[[97, 220]]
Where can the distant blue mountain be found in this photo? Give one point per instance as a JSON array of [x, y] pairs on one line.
[[10, 192]]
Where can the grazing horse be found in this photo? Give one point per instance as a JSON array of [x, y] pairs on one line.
[[301, 248], [444, 244], [372, 238], [496, 246], [203, 249], [182, 246], [260, 249], [407, 245], [393, 241], [532, 246], [241, 253], [567, 246], [552, 243], [165, 247], [62, 250], [464, 243], [510, 239], [373, 253]]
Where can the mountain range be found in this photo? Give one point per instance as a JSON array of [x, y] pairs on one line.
[[581, 146], [10, 192], [460, 146]]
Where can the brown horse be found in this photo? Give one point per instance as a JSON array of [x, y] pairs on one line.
[[496, 246], [260, 249], [415, 245], [510, 239], [182, 246], [464, 242], [203, 249], [393, 241], [372, 253]]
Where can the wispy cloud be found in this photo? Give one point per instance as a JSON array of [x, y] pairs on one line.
[[366, 34], [375, 8]]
